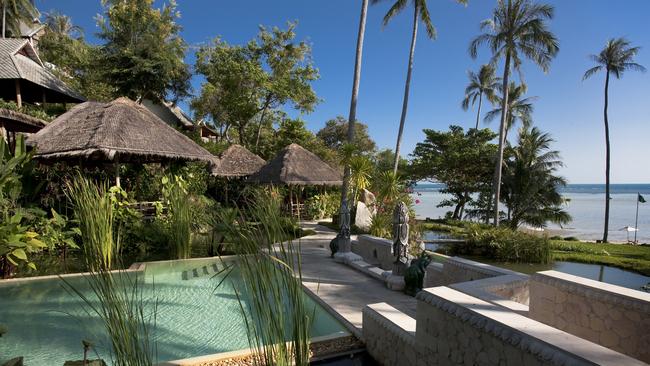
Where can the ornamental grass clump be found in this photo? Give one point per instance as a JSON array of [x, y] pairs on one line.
[[504, 244], [180, 216], [115, 297], [269, 282]]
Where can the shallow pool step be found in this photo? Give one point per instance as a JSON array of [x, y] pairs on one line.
[[202, 271]]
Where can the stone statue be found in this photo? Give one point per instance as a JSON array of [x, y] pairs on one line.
[[414, 276], [400, 233], [341, 243]]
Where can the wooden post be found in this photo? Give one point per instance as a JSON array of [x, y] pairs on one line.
[[117, 172], [19, 98]]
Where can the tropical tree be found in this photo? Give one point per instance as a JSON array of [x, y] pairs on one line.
[[530, 184], [356, 79], [519, 108], [484, 83], [361, 169], [336, 132], [14, 12], [517, 28], [61, 24], [616, 58], [420, 13], [461, 160], [143, 54]]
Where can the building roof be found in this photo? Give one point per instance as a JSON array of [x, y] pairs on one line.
[[19, 60], [120, 130], [295, 165], [237, 161], [20, 122]]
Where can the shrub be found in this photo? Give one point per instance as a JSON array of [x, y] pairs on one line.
[[322, 206], [504, 244]]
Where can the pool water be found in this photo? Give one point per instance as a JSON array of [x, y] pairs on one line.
[[46, 323]]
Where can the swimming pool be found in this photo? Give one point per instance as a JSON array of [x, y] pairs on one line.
[[46, 323]]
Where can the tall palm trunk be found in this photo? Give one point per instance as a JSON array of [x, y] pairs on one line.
[[478, 113], [406, 88], [353, 101], [4, 16], [502, 133], [606, 229]]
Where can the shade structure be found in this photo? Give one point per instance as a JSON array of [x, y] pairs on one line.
[[295, 165], [13, 121], [24, 77], [237, 161], [119, 131]]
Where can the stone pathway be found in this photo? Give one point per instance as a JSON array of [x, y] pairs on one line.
[[341, 288]]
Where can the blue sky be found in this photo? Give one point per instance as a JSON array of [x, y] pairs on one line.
[[568, 108]]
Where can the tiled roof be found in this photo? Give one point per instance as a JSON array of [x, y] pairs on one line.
[[19, 60]]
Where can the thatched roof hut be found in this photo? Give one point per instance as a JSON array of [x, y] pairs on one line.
[[13, 121], [237, 161], [119, 131], [295, 165]]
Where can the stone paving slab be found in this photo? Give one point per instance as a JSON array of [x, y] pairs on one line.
[[341, 288]]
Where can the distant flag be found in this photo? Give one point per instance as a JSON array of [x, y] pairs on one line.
[[641, 199]]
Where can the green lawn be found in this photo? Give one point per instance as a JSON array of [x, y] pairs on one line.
[[634, 258], [631, 257]]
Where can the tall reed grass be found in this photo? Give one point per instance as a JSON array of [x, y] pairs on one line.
[[116, 297], [269, 287], [180, 219]]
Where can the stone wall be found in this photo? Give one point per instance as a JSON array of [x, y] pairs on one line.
[[612, 316], [454, 328], [375, 251]]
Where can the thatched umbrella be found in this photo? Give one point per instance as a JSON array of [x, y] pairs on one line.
[[297, 166], [119, 131], [237, 161]]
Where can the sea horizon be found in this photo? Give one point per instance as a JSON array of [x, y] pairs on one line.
[[585, 204]]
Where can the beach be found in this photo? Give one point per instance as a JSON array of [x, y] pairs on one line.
[[585, 205]]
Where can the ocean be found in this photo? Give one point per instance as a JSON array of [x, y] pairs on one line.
[[586, 205]]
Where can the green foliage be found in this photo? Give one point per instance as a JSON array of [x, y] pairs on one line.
[[249, 82], [335, 134], [30, 110], [179, 222], [322, 206], [361, 170], [463, 161], [58, 234], [530, 184], [143, 53], [16, 243], [504, 244], [278, 319], [519, 108], [381, 225], [484, 83], [95, 212], [17, 11]]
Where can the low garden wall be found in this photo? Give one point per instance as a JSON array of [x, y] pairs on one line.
[[612, 316], [374, 250], [455, 328]]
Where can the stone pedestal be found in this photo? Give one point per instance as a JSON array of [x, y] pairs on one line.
[[345, 244], [393, 282], [399, 269], [346, 257]]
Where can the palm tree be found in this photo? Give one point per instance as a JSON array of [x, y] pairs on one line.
[[519, 108], [616, 58], [516, 27], [61, 25], [420, 12], [530, 183], [353, 100], [484, 83], [15, 11]]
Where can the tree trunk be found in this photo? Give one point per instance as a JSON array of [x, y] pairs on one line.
[[406, 88], [353, 101], [606, 229], [502, 132], [259, 128], [478, 114], [4, 16]]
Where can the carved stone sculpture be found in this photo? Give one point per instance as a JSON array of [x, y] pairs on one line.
[[400, 238], [414, 276]]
